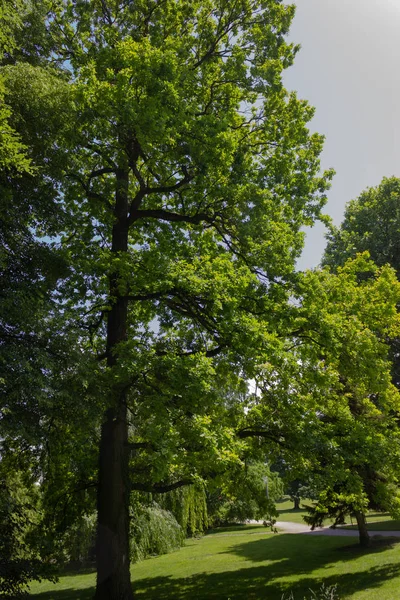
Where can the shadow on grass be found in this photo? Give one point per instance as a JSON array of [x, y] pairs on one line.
[[294, 556], [243, 584], [252, 584], [389, 525], [68, 594], [287, 512], [301, 553]]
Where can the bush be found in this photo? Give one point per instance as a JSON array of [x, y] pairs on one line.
[[154, 531]]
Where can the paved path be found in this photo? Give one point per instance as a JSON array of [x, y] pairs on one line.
[[289, 527]]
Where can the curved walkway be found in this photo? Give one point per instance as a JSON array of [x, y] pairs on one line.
[[288, 527]]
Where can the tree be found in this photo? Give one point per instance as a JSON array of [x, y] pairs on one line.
[[330, 408], [371, 223], [247, 494], [294, 487], [189, 507], [188, 174], [357, 441], [37, 352]]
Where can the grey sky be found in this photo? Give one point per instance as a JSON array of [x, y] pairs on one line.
[[349, 69]]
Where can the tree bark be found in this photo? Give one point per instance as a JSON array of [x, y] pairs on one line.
[[296, 501], [362, 529], [112, 542]]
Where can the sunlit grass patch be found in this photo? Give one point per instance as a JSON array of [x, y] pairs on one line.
[[246, 562]]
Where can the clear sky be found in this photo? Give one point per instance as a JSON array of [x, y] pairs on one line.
[[349, 69]]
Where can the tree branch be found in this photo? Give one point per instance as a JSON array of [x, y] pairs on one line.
[[134, 213], [160, 488], [247, 433], [97, 149], [164, 215], [89, 193], [208, 353], [100, 172], [141, 446]]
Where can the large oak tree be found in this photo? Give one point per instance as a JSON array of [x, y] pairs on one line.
[[183, 173]]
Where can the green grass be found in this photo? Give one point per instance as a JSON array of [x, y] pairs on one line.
[[288, 513], [251, 563], [377, 521]]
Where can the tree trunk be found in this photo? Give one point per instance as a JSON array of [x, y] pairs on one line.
[[112, 542], [296, 501], [362, 529]]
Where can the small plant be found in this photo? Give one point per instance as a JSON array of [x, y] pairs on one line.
[[324, 593]]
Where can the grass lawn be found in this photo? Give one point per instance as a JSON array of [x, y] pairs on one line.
[[251, 563], [385, 523], [376, 520], [288, 513]]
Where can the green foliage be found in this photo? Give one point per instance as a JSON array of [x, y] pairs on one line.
[[19, 560], [189, 507], [332, 400], [336, 506], [10, 22], [13, 152], [175, 175], [78, 541], [154, 531], [214, 197], [371, 223], [294, 487], [248, 493]]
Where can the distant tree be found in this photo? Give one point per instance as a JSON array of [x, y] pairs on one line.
[[247, 494], [371, 223], [295, 490], [330, 408]]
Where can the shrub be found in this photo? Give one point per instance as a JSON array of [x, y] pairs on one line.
[[154, 531]]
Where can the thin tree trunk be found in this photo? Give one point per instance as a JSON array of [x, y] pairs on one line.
[[112, 543], [362, 529]]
